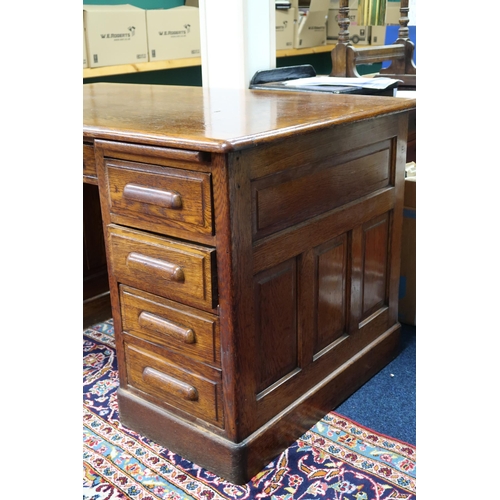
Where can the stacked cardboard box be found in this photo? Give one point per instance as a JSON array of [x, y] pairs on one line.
[[310, 23], [358, 34], [392, 12], [124, 34], [392, 15], [85, 63], [115, 34], [333, 18], [377, 35], [285, 28], [173, 33]]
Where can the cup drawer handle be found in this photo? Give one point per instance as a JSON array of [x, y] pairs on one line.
[[163, 381], [162, 325], [142, 194], [173, 272]]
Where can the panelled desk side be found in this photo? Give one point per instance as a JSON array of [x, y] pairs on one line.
[[252, 244]]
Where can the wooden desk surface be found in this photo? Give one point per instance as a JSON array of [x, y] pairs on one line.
[[268, 225], [218, 120]]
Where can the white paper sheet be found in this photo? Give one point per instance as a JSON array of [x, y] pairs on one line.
[[366, 83]]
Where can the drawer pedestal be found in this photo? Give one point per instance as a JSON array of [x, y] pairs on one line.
[[252, 244]]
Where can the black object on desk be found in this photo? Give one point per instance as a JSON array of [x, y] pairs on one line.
[[272, 79]]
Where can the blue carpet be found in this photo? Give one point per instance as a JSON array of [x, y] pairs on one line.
[[387, 402], [334, 460]]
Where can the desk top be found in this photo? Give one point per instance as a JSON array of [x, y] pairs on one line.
[[218, 120]]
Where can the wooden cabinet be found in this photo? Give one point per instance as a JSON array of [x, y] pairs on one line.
[[253, 246]]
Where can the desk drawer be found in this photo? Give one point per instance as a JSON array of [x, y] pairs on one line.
[[188, 331], [169, 384], [176, 270], [157, 198]]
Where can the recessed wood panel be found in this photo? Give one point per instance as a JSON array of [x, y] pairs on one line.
[[276, 323], [330, 293], [376, 241], [290, 197]]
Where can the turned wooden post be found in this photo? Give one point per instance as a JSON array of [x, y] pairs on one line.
[[404, 66], [403, 32], [344, 21], [345, 57], [339, 52]]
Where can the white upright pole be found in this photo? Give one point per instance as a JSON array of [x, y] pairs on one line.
[[412, 14], [238, 38]]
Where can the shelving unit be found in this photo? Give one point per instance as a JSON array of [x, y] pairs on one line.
[[183, 63]]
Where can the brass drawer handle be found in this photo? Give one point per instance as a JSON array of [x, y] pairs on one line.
[[142, 194], [162, 325], [173, 271], [163, 381]]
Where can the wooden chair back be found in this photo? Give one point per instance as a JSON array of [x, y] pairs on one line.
[[345, 57]]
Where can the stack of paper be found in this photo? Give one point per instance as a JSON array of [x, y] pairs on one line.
[[366, 83]]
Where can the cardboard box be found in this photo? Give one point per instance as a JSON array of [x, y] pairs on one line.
[[115, 34], [407, 275], [85, 63], [358, 35], [377, 35], [332, 25], [285, 28], [173, 33], [311, 27], [392, 12]]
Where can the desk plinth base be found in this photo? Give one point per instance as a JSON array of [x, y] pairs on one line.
[[239, 462]]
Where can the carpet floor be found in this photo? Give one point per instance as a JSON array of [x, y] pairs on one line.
[[387, 402], [336, 459]]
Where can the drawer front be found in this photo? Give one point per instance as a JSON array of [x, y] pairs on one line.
[[170, 384], [142, 195], [188, 331], [175, 270]]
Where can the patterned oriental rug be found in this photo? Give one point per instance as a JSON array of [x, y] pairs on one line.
[[336, 459]]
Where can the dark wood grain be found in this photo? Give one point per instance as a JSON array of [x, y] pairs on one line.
[[170, 324], [276, 334], [170, 384], [244, 319], [89, 170], [331, 303], [172, 201], [166, 267], [220, 119]]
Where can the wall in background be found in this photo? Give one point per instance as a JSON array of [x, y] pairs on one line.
[[143, 4]]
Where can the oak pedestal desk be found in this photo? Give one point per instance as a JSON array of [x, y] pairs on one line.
[[252, 241]]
